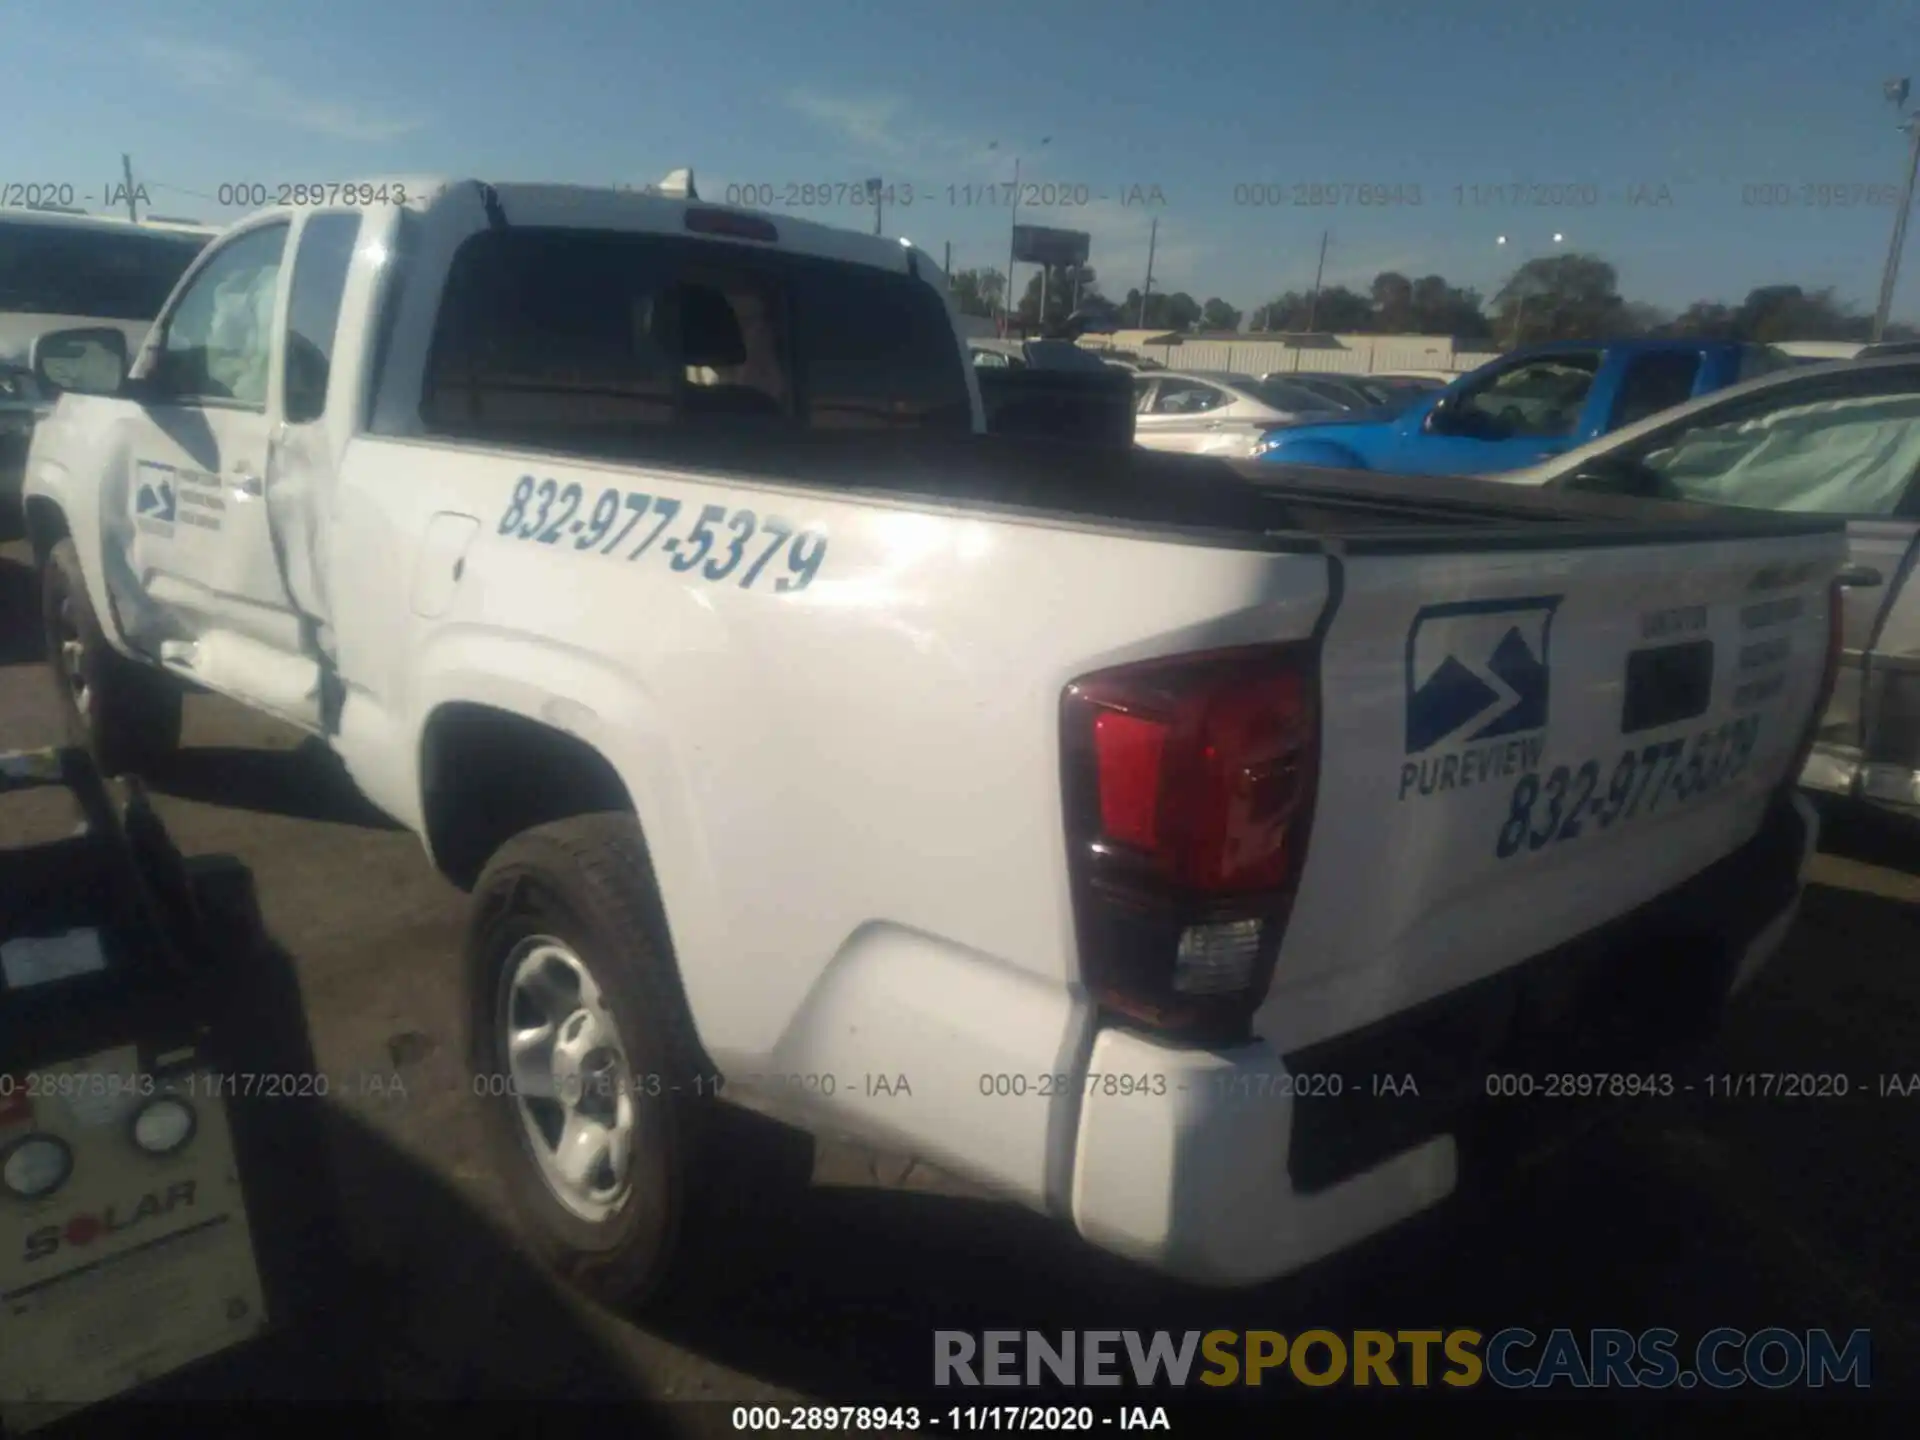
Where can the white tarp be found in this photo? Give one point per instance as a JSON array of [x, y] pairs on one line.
[[1845, 457]]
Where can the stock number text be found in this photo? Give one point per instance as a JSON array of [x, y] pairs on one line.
[[812, 194], [253, 194], [1272, 195]]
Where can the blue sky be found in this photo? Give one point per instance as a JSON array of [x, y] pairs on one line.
[[1703, 97]]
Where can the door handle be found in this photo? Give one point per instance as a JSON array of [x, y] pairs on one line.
[[245, 481], [1859, 577]]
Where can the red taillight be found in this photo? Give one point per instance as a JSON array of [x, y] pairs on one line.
[[1128, 751], [1190, 788]]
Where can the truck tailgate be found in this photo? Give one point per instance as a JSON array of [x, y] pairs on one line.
[[1522, 743]]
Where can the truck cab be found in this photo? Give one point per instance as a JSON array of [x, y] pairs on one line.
[[1526, 407]]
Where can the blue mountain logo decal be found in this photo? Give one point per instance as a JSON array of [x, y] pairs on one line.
[[155, 501], [1477, 671]]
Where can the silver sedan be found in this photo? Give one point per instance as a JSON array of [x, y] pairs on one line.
[[1207, 412]]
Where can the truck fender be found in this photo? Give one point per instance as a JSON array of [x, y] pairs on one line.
[[593, 701]]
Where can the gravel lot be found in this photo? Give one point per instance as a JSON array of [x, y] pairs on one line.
[[1691, 1213]]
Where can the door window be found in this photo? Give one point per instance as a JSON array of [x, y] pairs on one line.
[[1536, 399], [1186, 397], [218, 341], [313, 312], [1840, 455]]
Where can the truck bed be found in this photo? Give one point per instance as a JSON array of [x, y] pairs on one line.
[[1240, 503]]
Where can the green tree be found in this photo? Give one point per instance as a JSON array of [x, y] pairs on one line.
[[1060, 294], [1297, 311], [1176, 312], [1217, 314], [977, 292], [1393, 307], [1560, 297], [1443, 309]]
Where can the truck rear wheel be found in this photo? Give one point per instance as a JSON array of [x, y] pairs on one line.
[[583, 1055], [127, 715]]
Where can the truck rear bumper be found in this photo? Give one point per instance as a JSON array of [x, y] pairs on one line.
[[1243, 1165]]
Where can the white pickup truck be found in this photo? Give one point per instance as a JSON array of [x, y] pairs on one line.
[[1195, 861]]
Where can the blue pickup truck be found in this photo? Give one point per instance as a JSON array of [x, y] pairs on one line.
[[1525, 407]]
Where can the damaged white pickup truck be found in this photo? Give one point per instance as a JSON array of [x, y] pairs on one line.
[[1105, 827]]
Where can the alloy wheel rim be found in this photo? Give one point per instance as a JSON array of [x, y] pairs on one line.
[[570, 1082]]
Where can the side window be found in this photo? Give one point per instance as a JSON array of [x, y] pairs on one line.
[[989, 360], [877, 351], [1838, 455], [1142, 389], [313, 312], [1186, 397], [219, 338], [1535, 399], [1654, 382]]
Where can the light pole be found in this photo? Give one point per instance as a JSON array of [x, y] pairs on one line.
[[1896, 92], [1013, 226]]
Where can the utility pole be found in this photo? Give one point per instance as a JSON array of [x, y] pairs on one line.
[[1313, 302], [126, 169], [1153, 235], [1896, 92], [949, 265], [1013, 228], [1013, 231]]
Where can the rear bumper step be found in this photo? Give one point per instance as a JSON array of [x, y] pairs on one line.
[[1631, 999]]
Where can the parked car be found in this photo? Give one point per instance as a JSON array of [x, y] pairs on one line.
[[1033, 354], [1832, 439], [1202, 412], [1340, 389], [57, 270], [1045, 812], [1433, 379], [1380, 396], [1525, 408]]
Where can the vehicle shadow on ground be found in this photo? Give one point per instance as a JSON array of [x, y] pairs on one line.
[[304, 782], [1872, 837], [20, 639], [394, 1294], [842, 1296]]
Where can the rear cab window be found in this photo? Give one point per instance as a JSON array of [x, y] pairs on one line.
[[1655, 381], [571, 340]]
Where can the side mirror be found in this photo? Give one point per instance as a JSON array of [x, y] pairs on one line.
[[1440, 418], [1615, 475], [91, 361]]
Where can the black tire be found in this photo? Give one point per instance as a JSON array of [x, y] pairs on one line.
[[131, 715], [586, 881]]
